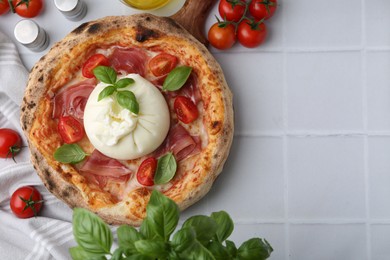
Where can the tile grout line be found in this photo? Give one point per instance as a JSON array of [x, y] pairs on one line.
[[365, 129], [285, 142]]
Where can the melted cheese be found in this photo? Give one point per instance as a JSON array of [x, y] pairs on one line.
[[121, 134]]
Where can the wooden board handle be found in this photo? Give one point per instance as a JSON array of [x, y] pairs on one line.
[[192, 16]]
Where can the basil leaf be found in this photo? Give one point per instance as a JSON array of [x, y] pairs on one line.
[[128, 100], [218, 251], [127, 235], [91, 233], [183, 239], [231, 248], [177, 78], [107, 91], [105, 74], [166, 169], [69, 153], [162, 215], [78, 253], [122, 83], [153, 248], [139, 257], [204, 226], [118, 254], [198, 251], [147, 230], [254, 248], [225, 225]]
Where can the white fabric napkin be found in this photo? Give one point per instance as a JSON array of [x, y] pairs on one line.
[[49, 235]]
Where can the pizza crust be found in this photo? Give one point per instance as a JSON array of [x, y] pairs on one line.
[[58, 66]]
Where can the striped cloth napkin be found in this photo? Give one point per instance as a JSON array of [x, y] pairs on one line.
[[49, 235]]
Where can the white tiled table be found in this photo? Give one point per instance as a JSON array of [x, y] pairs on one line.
[[310, 165]]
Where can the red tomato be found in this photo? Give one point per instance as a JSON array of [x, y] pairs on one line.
[[263, 9], [231, 10], [251, 34], [94, 61], [146, 171], [162, 64], [4, 6], [10, 143], [222, 37], [28, 8], [26, 202], [70, 129], [185, 109]]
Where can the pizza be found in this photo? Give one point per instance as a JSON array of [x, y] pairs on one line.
[[124, 105]]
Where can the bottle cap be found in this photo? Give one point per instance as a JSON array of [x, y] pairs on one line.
[[31, 35]]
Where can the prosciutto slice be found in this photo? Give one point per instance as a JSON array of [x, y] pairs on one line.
[[72, 100], [101, 165], [180, 143], [129, 60]]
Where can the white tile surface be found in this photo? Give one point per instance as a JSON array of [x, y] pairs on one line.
[[309, 169]]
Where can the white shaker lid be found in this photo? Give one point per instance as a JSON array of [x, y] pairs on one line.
[[66, 5], [26, 31]]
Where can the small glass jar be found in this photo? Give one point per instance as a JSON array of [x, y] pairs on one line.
[[73, 10], [146, 4], [31, 35]]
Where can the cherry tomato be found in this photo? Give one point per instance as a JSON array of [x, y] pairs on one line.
[[185, 109], [222, 36], [4, 6], [251, 34], [70, 129], [231, 10], [26, 202], [28, 8], [10, 143], [162, 64], [263, 9], [146, 171], [92, 62]]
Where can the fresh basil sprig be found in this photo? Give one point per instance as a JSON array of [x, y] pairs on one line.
[[166, 169], [177, 78], [201, 237], [125, 98], [69, 153]]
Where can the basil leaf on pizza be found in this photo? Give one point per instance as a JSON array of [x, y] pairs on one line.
[[122, 83], [166, 169], [69, 153], [107, 91], [177, 78], [128, 100], [105, 74]]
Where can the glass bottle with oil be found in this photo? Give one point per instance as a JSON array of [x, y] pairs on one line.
[[146, 4]]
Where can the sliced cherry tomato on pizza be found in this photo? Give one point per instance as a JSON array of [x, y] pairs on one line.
[[251, 34], [185, 109], [10, 143], [231, 10], [27, 8], [162, 64], [263, 9], [146, 171], [26, 202], [4, 6], [222, 35], [92, 62], [70, 129]]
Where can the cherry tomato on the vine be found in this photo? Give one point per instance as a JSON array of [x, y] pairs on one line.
[[10, 143], [251, 34], [146, 171], [26, 202], [222, 36], [162, 64], [185, 109], [28, 8], [4, 6], [92, 62], [231, 10], [263, 9], [70, 129]]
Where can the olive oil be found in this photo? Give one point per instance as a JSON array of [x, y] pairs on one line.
[[146, 4]]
